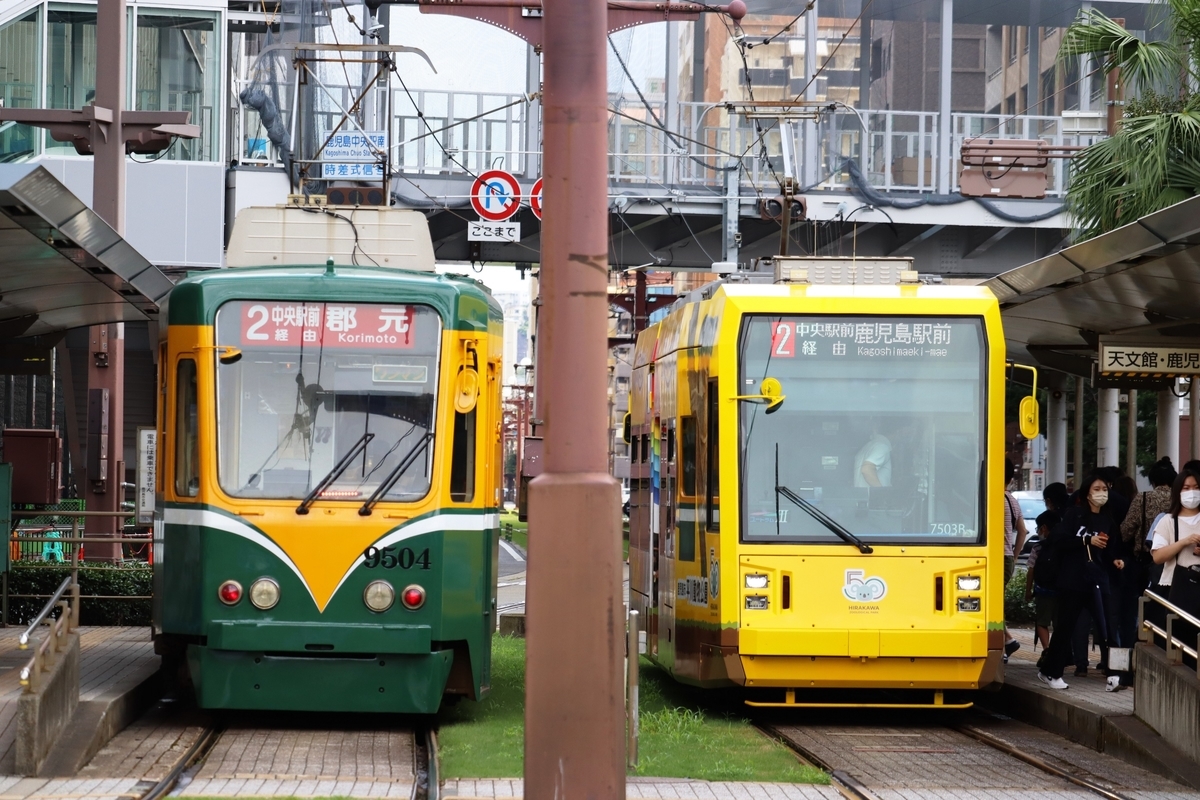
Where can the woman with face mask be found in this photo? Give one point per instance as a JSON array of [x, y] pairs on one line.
[[1086, 542], [1177, 542]]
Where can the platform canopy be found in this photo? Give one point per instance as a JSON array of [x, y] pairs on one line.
[[1139, 283], [61, 265]]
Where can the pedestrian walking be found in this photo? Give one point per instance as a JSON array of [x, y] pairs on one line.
[[1039, 572], [1176, 543], [1085, 542], [1136, 531], [1014, 540]]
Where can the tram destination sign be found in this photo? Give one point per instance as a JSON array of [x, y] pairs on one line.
[[1149, 358], [358, 325]]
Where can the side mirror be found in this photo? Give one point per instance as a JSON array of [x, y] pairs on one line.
[[627, 428], [1028, 417], [466, 383], [230, 355], [772, 392]]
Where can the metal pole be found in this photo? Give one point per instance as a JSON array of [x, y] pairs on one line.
[[1168, 426], [1194, 415], [1108, 433], [945, 74], [810, 171], [632, 648], [1056, 437], [1077, 449], [573, 739], [1131, 421]]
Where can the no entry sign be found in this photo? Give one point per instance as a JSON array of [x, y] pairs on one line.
[[496, 195], [535, 199]]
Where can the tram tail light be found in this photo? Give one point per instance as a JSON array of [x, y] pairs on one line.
[[756, 581], [968, 604], [969, 583], [413, 597], [756, 602], [230, 593]]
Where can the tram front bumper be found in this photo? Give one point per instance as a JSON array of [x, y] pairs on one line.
[[319, 667]]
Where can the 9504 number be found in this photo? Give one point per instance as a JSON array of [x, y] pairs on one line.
[[391, 558]]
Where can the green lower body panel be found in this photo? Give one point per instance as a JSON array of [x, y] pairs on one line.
[[239, 679]]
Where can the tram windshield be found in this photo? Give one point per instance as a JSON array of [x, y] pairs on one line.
[[881, 432], [316, 379]]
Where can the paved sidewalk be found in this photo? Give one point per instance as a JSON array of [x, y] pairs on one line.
[[656, 788]]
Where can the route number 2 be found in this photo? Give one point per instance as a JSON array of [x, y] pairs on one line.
[[783, 340], [389, 558]]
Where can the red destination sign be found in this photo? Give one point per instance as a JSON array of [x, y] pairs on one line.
[[343, 325]]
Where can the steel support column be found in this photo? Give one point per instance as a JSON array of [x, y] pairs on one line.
[[732, 209], [1108, 434], [106, 343], [1131, 421], [574, 697], [811, 171], [1168, 426], [1193, 415], [1077, 448], [1056, 437], [945, 77]]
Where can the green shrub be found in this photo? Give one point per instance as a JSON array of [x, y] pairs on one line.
[[118, 580], [1016, 610]]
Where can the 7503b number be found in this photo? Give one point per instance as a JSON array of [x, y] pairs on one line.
[[389, 558]]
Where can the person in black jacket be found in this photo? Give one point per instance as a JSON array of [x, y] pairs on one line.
[[1085, 543]]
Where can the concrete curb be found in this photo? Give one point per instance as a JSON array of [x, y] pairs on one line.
[[42, 715], [96, 722], [1123, 736]]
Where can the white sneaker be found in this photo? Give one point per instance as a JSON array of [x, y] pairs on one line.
[[1114, 684], [1055, 683]]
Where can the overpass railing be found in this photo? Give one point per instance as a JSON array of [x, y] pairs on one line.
[[680, 145]]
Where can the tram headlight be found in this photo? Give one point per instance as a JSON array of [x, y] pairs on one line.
[[756, 602], [968, 583], [413, 597], [379, 596], [968, 604], [230, 593], [264, 594], [756, 581]]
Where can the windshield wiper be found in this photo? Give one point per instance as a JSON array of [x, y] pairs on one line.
[[816, 513], [823, 518], [334, 473], [395, 475]]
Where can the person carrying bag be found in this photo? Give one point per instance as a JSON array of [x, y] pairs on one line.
[[1176, 545]]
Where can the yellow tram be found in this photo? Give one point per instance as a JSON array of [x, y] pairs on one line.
[[817, 478]]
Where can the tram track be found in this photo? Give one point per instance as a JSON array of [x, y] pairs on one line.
[[856, 788], [426, 782]]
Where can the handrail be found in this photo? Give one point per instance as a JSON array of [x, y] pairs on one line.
[[1175, 647], [68, 619], [23, 642]]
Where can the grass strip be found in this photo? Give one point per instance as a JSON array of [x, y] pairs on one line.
[[685, 732]]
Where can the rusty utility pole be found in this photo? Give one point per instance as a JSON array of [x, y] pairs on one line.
[[574, 695]]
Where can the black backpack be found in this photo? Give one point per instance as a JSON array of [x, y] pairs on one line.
[[1046, 568]]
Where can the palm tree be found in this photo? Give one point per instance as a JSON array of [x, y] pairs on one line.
[[1153, 159]]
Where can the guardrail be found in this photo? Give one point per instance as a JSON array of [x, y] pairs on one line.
[[1175, 646]]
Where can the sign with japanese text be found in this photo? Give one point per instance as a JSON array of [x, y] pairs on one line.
[[370, 172], [810, 338], [337, 325], [354, 146], [147, 458], [493, 231], [1130, 358]]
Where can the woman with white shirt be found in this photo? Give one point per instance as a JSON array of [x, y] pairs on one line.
[[1176, 542]]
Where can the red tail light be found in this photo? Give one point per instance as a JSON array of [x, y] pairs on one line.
[[230, 592], [413, 597]]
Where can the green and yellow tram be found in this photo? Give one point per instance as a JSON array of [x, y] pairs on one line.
[[328, 489], [817, 476]]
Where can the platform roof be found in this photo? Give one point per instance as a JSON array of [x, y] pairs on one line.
[[61, 265], [1141, 280]]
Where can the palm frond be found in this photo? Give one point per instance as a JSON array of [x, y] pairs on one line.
[[1142, 63]]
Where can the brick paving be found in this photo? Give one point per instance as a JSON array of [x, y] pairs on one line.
[[1022, 671], [653, 788], [110, 660], [150, 747]]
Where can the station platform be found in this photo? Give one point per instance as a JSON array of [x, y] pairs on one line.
[[1086, 713], [115, 663]]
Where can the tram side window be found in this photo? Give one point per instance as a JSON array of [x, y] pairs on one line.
[[712, 512], [462, 463], [187, 430], [687, 521]]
